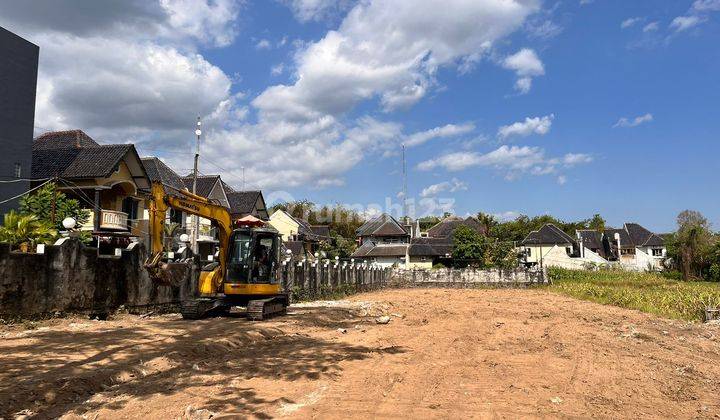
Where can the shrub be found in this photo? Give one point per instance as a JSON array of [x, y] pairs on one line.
[[25, 232]]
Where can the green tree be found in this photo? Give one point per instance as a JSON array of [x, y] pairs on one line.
[[338, 247], [488, 222], [25, 231], [692, 244], [40, 202], [596, 223]]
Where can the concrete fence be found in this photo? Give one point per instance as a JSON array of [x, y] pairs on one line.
[[72, 277], [467, 277], [305, 280]]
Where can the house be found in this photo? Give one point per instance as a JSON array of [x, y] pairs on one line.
[[635, 247], [383, 229], [18, 77], [158, 171], [383, 240], [299, 236], [446, 227], [538, 243], [247, 203], [110, 181]]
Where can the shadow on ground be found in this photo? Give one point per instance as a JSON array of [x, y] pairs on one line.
[[57, 371]]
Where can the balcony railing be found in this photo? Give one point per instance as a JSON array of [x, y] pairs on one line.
[[109, 220]]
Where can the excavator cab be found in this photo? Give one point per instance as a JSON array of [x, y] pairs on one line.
[[253, 258]]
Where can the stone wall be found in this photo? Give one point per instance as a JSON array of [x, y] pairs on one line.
[[72, 277], [467, 277]]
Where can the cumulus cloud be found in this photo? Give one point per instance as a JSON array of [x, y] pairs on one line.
[[144, 80], [652, 26], [706, 5], [634, 122], [126, 70], [629, 22], [277, 69], [448, 186], [512, 161], [316, 10], [449, 130], [535, 125], [526, 65], [683, 23], [263, 44]]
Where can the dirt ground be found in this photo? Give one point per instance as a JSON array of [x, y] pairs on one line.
[[444, 353]]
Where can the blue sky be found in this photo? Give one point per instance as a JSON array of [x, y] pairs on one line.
[[608, 107]]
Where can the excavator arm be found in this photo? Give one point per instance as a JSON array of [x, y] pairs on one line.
[[189, 203]]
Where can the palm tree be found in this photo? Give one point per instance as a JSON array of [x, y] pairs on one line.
[[25, 231]]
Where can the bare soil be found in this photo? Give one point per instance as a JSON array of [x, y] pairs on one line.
[[444, 353]]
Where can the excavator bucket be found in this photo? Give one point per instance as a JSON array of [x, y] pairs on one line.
[[169, 274]]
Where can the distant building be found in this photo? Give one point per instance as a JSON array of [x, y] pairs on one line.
[[299, 236], [539, 242], [18, 83]]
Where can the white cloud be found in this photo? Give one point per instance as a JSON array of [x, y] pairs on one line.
[[586, 2], [629, 22], [507, 216], [706, 5], [307, 10], [572, 159], [277, 69], [634, 122], [126, 71], [448, 186], [535, 125], [683, 23], [513, 161], [526, 65], [449, 130], [561, 179], [652, 26], [263, 44]]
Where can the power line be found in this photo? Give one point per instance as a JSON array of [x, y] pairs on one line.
[[26, 192]]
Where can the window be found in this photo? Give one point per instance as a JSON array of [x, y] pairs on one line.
[[657, 252], [627, 251], [568, 250], [528, 252], [18, 170]]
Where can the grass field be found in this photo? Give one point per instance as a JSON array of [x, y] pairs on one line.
[[646, 292]]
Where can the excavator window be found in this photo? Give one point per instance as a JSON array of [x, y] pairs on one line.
[[264, 262], [239, 261]]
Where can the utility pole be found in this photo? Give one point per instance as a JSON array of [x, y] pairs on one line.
[[243, 178], [196, 219], [404, 192]]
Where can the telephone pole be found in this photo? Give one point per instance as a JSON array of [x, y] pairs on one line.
[[404, 191], [196, 219]]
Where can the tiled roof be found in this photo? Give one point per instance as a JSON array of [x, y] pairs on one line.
[[321, 230], [89, 162], [625, 240], [418, 247], [633, 235], [63, 140], [243, 202], [641, 236], [205, 184], [446, 227], [383, 225], [592, 239], [548, 234], [296, 247], [158, 171]]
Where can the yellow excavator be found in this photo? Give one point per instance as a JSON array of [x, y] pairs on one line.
[[246, 273]]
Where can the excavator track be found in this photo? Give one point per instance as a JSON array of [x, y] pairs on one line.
[[260, 309], [196, 308]]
